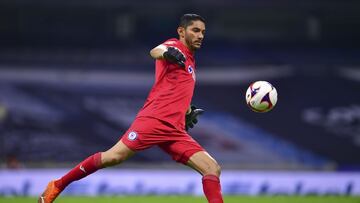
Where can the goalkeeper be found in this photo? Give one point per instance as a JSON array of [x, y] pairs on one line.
[[163, 120]]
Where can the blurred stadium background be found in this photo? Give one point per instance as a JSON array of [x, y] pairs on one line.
[[73, 75]]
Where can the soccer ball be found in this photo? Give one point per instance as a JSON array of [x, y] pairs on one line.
[[261, 96]]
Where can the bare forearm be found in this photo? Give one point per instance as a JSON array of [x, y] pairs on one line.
[[189, 110], [157, 52]]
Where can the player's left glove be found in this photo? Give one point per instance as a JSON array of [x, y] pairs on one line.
[[191, 117]]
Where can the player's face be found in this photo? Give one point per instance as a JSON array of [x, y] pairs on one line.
[[194, 35]]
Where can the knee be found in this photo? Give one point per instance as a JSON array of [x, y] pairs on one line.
[[217, 170], [111, 158], [213, 169]]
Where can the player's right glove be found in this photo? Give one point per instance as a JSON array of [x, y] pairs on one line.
[[173, 55], [191, 117]]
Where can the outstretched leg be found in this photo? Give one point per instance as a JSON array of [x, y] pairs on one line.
[[117, 154], [210, 170]]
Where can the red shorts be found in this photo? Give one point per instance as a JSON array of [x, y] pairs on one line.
[[146, 132]]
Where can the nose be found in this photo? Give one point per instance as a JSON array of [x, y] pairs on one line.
[[201, 36]]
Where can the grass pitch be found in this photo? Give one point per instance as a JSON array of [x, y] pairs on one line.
[[189, 199]]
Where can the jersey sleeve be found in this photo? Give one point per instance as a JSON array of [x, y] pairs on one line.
[[171, 43]]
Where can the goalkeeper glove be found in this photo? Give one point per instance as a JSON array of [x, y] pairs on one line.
[[174, 55], [191, 117]]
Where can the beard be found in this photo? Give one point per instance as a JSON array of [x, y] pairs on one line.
[[191, 43]]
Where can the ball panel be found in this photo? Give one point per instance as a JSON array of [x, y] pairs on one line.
[[273, 96]]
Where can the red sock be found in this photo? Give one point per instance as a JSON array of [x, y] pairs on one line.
[[86, 167], [212, 189]]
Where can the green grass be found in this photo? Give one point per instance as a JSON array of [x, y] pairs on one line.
[[188, 199]]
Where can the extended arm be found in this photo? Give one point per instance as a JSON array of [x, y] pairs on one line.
[[171, 54], [158, 52]]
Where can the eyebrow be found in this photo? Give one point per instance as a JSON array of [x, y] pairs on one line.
[[198, 29]]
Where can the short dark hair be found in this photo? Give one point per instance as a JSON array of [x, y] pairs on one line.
[[187, 19]]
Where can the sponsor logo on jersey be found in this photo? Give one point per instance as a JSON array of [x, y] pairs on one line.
[[132, 135], [190, 69]]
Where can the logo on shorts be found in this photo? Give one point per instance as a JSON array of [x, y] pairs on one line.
[[132, 135]]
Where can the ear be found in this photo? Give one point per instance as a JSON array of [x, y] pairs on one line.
[[181, 32]]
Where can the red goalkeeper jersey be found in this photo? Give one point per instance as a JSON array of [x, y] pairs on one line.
[[173, 89]]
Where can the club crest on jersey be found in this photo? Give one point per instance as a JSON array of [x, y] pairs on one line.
[[132, 135]]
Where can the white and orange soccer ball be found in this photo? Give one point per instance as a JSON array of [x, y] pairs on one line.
[[261, 96]]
